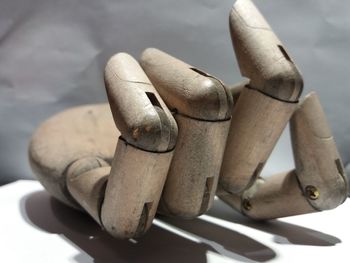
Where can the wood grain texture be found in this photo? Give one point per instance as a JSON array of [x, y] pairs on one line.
[[202, 108], [256, 125], [272, 197], [88, 188], [317, 183], [72, 152], [133, 190], [185, 88], [317, 160], [77, 133], [139, 112], [260, 54], [193, 175]]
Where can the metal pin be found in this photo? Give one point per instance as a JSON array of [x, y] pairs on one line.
[[312, 192]]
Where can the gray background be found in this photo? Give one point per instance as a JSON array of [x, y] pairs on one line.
[[52, 55]]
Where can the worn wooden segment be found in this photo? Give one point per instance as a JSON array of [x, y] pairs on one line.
[[133, 191], [318, 183], [71, 153], [260, 54], [317, 161], [144, 151], [74, 134], [191, 184], [139, 112], [266, 103], [88, 188], [202, 107], [272, 197], [257, 123], [185, 88]]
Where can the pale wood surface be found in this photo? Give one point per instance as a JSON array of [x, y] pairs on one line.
[[317, 160], [256, 125], [260, 54], [77, 133]]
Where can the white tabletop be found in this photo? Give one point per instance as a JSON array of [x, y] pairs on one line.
[[36, 228]]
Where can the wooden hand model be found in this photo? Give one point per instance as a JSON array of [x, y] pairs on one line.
[[182, 136]]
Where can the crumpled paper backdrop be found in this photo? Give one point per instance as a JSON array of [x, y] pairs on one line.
[[52, 55]]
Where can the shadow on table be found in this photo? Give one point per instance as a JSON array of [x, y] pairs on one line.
[[169, 239], [162, 243], [284, 233]]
